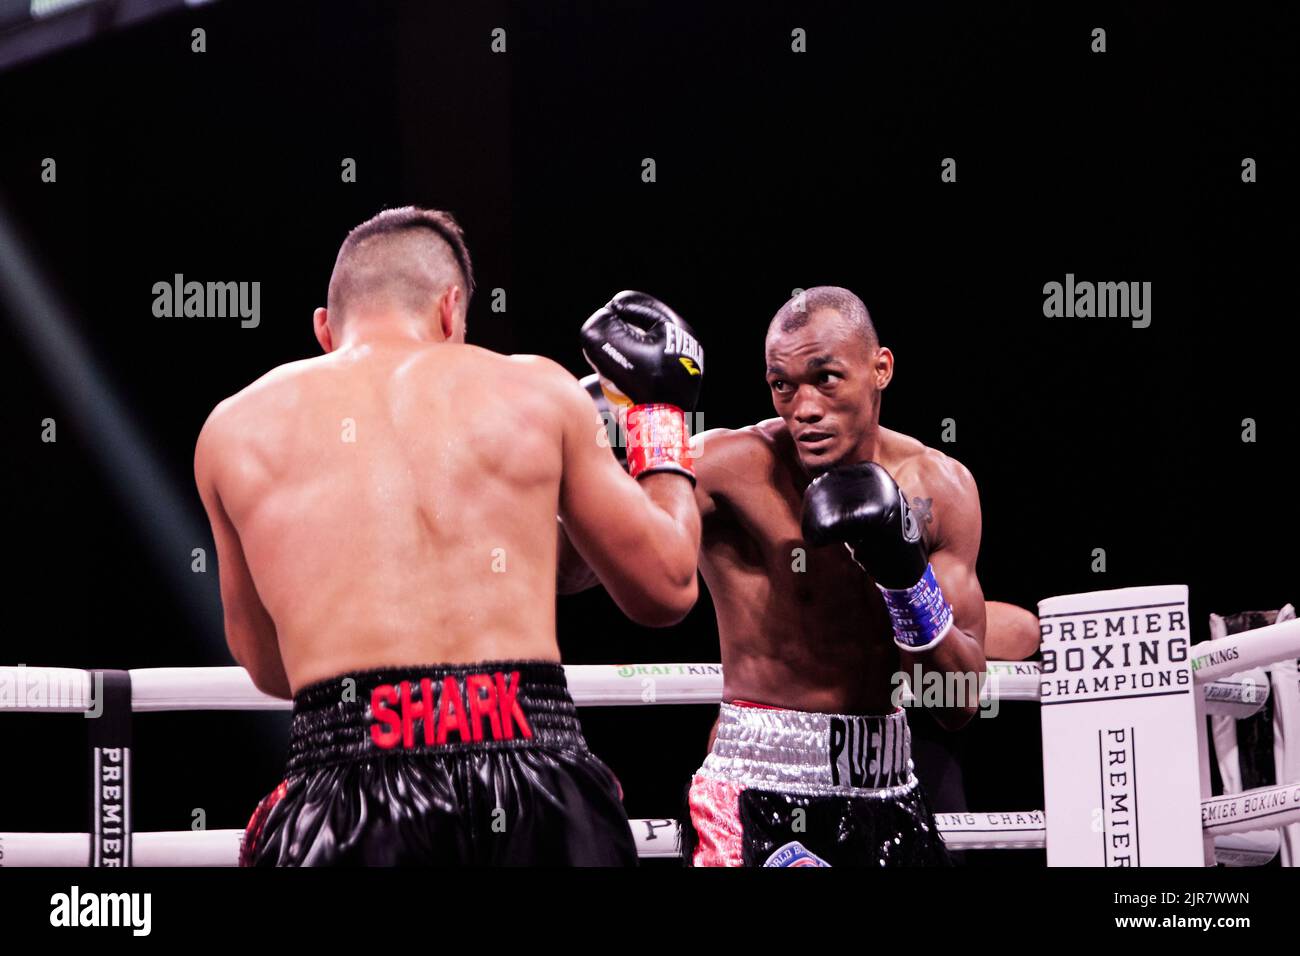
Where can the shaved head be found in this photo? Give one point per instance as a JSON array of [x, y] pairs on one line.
[[403, 260], [796, 313]]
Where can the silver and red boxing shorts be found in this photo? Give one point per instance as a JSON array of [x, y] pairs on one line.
[[792, 788]]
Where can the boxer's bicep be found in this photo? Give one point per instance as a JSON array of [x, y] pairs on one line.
[[957, 505], [961, 586]]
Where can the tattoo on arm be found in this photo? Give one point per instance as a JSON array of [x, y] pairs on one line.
[[923, 508], [923, 514]]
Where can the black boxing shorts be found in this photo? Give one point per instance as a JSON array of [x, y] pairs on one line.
[[479, 764], [791, 788]]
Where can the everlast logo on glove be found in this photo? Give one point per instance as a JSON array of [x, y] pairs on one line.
[[677, 341], [458, 709], [629, 342]]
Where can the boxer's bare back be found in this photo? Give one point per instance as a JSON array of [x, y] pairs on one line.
[[395, 502]]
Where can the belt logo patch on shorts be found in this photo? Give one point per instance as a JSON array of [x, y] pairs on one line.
[[458, 708], [795, 853], [859, 757]]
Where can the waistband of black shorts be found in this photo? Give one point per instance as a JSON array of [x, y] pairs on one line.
[[438, 708]]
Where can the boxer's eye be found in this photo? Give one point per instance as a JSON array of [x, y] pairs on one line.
[[780, 386], [826, 378]]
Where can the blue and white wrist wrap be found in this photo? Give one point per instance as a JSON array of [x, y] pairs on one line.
[[922, 618]]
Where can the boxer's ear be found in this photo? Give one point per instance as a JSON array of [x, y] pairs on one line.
[[320, 325], [449, 309], [884, 366]]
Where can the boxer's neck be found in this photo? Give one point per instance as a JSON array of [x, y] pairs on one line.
[[390, 328], [868, 447]]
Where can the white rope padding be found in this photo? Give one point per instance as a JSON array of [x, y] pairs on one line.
[[1014, 830], [69, 690], [1258, 809], [26, 689], [156, 689], [165, 848], [1224, 656], [1264, 808], [655, 839]]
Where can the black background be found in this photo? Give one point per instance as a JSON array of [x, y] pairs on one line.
[[775, 171]]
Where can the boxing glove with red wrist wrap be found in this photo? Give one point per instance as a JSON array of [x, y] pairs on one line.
[[651, 367]]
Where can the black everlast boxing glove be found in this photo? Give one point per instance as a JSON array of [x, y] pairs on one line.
[[651, 366], [862, 506], [607, 416]]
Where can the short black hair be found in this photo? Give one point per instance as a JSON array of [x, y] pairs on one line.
[[404, 255], [794, 315]]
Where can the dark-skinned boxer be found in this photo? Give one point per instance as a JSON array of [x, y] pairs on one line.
[[811, 763]]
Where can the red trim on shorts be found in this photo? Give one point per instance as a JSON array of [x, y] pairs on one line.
[[256, 823], [715, 815], [750, 703]]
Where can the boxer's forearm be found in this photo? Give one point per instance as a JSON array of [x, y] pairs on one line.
[[263, 663], [958, 654], [668, 562], [271, 679], [670, 558], [644, 551]]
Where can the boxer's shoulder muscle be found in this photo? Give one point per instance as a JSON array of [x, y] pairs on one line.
[[936, 484], [553, 386], [732, 459], [731, 455], [247, 408], [519, 393], [281, 386], [544, 373]]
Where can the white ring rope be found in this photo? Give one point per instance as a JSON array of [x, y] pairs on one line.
[[1225, 656], [1264, 808], [69, 690], [655, 839], [26, 689]]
